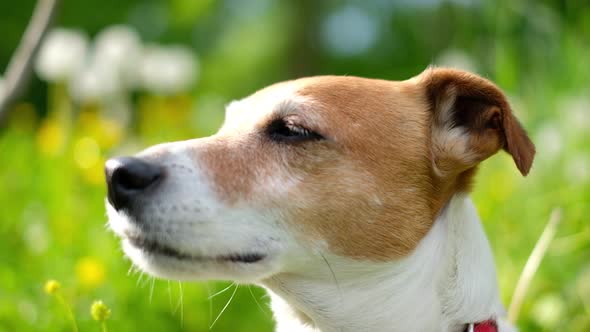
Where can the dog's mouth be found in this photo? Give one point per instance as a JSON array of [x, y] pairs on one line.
[[154, 247]]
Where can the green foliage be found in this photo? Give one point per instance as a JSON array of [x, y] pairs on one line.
[[52, 199]]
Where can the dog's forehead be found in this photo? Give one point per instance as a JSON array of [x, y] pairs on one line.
[[321, 100]]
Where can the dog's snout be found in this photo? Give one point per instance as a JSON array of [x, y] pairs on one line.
[[127, 177]]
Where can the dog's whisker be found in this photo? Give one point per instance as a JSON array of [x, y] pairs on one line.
[[152, 289], [333, 275], [139, 279], [170, 296], [221, 291], [145, 282], [181, 304], [225, 306], [258, 303], [210, 302]]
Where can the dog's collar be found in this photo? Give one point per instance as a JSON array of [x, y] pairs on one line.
[[485, 326]]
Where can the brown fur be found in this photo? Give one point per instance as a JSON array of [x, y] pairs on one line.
[[389, 162]]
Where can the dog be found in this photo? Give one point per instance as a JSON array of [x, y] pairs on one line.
[[347, 198]]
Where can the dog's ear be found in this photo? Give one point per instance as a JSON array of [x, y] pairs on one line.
[[471, 121]]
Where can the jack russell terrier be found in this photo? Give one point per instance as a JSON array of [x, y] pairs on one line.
[[346, 198]]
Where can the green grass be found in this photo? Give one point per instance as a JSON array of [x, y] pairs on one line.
[[52, 226], [52, 217]]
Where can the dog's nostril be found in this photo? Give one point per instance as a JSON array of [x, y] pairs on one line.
[[127, 177], [135, 179]]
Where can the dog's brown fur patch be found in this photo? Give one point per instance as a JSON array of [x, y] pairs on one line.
[[394, 153]]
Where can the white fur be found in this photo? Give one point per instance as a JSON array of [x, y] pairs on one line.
[[245, 113], [447, 282], [186, 215]]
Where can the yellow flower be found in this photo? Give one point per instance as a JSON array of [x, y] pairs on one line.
[[99, 311], [52, 287], [105, 131], [111, 133], [95, 174], [90, 272], [86, 152], [51, 137]]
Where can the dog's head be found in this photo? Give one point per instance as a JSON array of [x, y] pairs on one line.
[[344, 166]]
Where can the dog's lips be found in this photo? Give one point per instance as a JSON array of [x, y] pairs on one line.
[[154, 247]]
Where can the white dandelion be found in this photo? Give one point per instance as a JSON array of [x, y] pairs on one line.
[[61, 55], [577, 170], [576, 113], [119, 47], [168, 69], [95, 82], [549, 141]]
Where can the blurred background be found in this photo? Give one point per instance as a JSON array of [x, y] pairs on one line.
[[113, 77]]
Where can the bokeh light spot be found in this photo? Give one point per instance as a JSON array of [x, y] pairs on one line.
[[349, 31], [86, 152], [90, 272]]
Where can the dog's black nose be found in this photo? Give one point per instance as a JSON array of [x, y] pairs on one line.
[[127, 177]]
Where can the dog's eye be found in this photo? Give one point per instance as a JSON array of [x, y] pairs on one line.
[[285, 130]]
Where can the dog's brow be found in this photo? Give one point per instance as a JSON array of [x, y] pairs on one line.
[[300, 106], [283, 107], [287, 107]]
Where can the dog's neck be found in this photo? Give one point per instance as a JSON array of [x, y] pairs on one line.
[[447, 282]]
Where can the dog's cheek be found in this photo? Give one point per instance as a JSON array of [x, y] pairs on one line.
[[318, 211], [345, 210]]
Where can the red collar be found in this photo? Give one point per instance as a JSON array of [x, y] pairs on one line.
[[485, 326]]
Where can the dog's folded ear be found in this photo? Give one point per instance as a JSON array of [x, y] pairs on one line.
[[471, 121]]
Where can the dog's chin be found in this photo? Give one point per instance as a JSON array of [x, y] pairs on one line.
[[168, 264], [164, 261]]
